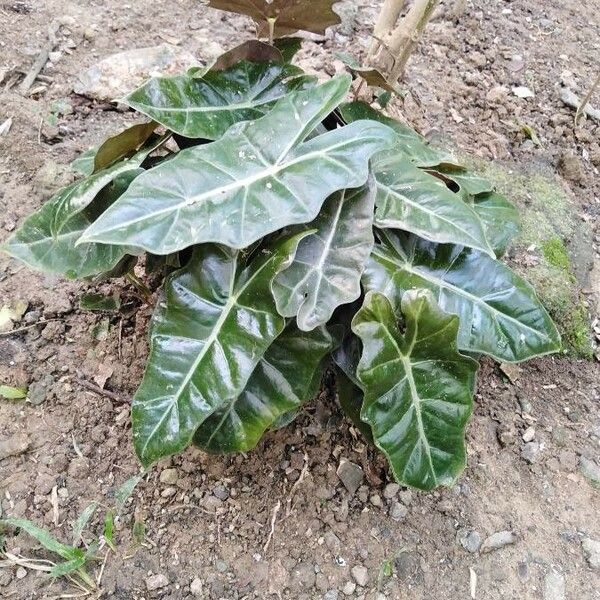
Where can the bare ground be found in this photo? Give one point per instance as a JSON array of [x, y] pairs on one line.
[[211, 522]]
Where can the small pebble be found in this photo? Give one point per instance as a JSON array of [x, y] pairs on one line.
[[554, 586], [196, 587], [390, 491], [529, 434], [156, 582], [376, 500], [169, 476], [591, 551], [470, 540], [168, 492], [349, 588], [531, 452], [350, 474], [398, 511], [360, 574], [498, 540]]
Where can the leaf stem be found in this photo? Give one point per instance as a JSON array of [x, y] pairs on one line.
[[139, 285], [271, 21]]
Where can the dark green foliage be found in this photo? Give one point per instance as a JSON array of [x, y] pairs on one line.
[[302, 227]]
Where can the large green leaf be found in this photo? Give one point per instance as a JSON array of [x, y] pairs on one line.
[[409, 144], [469, 182], [287, 376], [418, 388], [208, 334], [83, 193], [205, 107], [257, 179], [500, 220], [287, 16], [412, 200], [499, 312], [329, 263], [46, 239]]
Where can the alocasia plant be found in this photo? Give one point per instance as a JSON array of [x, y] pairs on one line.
[[296, 227]]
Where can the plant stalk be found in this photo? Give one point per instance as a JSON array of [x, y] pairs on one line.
[[390, 11], [406, 36], [271, 21]]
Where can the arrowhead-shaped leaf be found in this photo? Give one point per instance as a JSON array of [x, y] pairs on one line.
[[205, 107], [409, 144], [208, 334], [499, 312], [418, 388], [287, 376], [257, 179], [327, 268], [289, 15], [500, 220], [412, 200], [46, 239]]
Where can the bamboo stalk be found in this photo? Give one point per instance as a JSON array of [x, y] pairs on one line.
[[407, 34], [390, 11]]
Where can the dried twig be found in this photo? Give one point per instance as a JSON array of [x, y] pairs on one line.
[[272, 531], [406, 36], [26, 327], [296, 485], [54, 502], [102, 567], [42, 58], [92, 387], [586, 99]]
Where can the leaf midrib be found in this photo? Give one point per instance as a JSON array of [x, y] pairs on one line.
[[414, 393], [459, 291], [227, 308], [252, 103], [421, 208], [272, 171]]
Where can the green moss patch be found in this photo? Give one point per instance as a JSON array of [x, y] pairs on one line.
[[548, 219]]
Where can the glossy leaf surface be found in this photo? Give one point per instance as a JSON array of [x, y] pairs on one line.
[[286, 377], [327, 268], [418, 387], [469, 182], [408, 143], [499, 312], [206, 106], [46, 239], [289, 15], [257, 179], [412, 200], [207, 336], [500, 220]]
